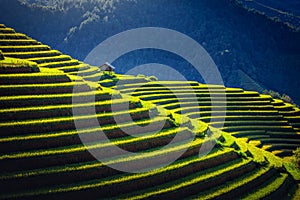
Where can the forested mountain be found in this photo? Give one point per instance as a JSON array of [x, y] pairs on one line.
[[249, 48]]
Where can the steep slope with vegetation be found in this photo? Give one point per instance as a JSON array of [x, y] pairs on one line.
[[42, 155]]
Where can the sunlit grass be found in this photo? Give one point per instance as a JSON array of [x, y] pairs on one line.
[[189, 180], [265, 191]]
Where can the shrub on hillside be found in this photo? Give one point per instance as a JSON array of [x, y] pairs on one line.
[[276, 95], [287, 99], [296, 157], [272, 93]]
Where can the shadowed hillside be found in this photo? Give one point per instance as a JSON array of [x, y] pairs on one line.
[[267, 51]]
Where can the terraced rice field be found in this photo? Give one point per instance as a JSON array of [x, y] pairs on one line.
[[273, 123], [42, 155]]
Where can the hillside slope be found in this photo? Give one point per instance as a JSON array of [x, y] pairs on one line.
[[47, 151]]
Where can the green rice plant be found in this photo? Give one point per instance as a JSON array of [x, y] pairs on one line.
[[279, 140], [108, 82], [198, 180], [198, 95], [228, 108], [26, 48], [120, 81], [224, 114], [52, 111], [67, 122], [45, 76], [214, 155], [41, 60], [73, 68], [13, 36], [106, 184], [13, 65], [176, 90], [93, 78], [17, 42], [195, 103], [53, 99], [87, 72], [7, 30], [47, 88], [136, 87], [33, 54], [241, 122], [60, 64], [258, 127], [236, 187], [268, 189], [157, 84], [78, 153], [64, 133], [247, 134]]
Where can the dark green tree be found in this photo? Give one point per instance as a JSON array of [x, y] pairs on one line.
[[296, 156]]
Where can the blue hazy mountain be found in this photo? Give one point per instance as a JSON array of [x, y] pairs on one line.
[[259, 38]]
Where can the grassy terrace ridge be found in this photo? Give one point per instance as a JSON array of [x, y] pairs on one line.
[[13, 42], [69, 106], [42, 155], [194, 179], [110, 182], [115, 180], [42, 55], [207, 103], [6, 30], [50, 99], [198, 89], [27, 55], [51, 59], [59, 119], [236, 185], [67, 133], [13, 66], [178, 166], [269, 188], [60, 64], [80, 148], [24, 48], [216, 154], [65, 123], [13, 36]]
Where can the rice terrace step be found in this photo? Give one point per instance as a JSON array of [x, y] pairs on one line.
[[43, 155]]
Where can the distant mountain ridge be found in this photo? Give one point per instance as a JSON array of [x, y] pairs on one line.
[[267, 52]]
